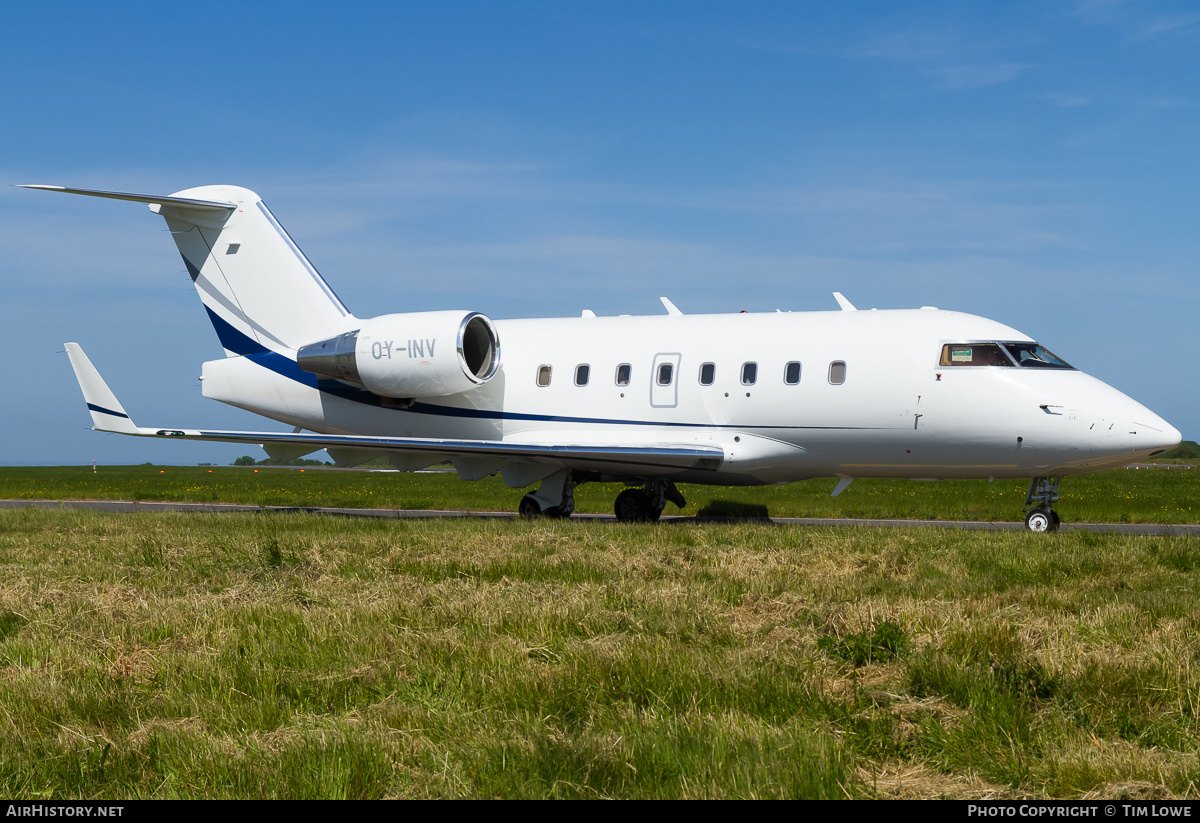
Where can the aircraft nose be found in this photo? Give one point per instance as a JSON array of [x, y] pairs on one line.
[[1127, 431], [1154, 436]]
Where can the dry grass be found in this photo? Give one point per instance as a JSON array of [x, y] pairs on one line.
[[297, 656]]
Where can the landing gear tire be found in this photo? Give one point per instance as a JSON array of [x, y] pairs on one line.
[[1039, 512], [529, 506], [632, 506], [1042, 520]]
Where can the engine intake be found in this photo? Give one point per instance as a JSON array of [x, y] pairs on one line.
[[416, 354]]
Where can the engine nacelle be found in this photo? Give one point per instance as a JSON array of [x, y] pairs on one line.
[[417, 354]]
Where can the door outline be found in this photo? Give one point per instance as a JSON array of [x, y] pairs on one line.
[[665, 397]]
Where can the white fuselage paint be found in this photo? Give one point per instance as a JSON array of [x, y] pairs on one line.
[[897, 414]]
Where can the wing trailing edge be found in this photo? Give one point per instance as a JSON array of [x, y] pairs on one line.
[[109, 415]]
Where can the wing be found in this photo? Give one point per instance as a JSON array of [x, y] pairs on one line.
[[477, 457]]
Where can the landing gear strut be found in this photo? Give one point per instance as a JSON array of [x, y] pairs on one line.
[[1039, 512], [647, 503], [555, 497]]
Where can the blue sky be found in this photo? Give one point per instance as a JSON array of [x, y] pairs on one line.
[[1036, 163]]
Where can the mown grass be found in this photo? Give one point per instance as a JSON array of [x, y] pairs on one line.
[[289, 655], [1126, 496]]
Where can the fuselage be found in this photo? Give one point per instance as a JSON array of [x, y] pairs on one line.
[[732, 399], [787, 396]]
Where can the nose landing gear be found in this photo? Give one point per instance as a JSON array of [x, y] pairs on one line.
[[1039, 512]]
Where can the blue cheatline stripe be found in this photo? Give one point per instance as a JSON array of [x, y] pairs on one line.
[[239, 343], [103, 410], [232, 339]]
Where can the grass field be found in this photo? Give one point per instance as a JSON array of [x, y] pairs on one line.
[[1126, 496], [291, 655], [197, 655]]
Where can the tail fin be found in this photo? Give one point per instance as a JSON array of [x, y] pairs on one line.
[[259, 289]]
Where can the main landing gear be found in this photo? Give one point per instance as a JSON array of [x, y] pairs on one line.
[[555, 497], [1039, 512], [529, 507], [647, 503]]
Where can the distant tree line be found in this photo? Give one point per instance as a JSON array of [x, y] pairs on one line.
[[247, 460], [1185, 450]]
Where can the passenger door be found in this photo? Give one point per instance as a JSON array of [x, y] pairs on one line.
[[664, 381]]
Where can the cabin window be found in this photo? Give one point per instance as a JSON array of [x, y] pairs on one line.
[[749, 373], [623, 374], [665, 372], [708, 372], [837, 372], [543, 376], [791, 373], [582, 372]]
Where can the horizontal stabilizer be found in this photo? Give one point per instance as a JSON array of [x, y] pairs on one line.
[[156, 199]]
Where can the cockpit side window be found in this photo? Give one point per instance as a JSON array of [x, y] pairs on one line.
[[1031, 355], [974, 354]]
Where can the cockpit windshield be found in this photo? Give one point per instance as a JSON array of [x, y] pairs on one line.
[[1031, 355], [1009, 355]]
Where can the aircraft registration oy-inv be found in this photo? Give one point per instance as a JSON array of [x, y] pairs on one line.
[[730, 399]]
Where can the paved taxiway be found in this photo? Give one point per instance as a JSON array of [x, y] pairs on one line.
[[144, 506]]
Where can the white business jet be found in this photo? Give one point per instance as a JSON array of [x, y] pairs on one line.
[[731, 399]]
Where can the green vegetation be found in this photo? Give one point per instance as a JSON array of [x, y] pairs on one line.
[[1157, 495], [247, 460], [290, 655], [1187, 450], [886, 640]]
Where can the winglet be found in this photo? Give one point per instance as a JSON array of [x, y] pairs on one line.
[[107, 412]]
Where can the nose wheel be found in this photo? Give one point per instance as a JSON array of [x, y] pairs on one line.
[[1042, 520], [1039, 513]]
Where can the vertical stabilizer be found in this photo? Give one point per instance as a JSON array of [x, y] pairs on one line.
[[260, 291]]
